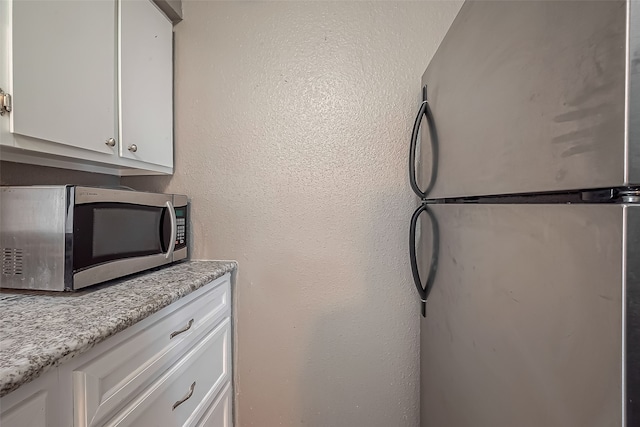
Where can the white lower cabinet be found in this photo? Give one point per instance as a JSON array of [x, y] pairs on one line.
[[32, 405], [29, 412], [219, 413], [181, 396], [171, 369]]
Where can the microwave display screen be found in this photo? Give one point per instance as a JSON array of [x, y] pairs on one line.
[[117, 231]]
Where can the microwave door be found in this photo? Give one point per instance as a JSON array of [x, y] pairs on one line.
[[113, 239]]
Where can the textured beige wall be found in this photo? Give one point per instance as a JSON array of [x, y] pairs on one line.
[[292, 128]]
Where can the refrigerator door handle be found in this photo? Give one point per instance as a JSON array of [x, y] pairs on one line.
[[424, 110], [424, 291]]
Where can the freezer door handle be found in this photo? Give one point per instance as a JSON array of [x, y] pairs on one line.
[[424, 291], [425, 111]]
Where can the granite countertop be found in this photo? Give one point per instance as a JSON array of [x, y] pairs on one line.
[[40, 330]]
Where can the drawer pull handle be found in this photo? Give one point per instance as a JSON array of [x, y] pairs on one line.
[[179, 331], [184, 399]]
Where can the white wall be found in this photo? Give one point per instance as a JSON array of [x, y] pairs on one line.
[[292, 129]]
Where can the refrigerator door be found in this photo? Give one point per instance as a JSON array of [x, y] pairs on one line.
[[524, 322], [533, 96]]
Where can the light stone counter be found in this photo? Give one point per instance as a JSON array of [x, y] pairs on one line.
[[40, 330]]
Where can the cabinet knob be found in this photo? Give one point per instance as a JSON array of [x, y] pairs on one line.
[[111, 142], [133, 148]]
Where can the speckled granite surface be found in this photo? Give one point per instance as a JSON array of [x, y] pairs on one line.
[[40, 330]]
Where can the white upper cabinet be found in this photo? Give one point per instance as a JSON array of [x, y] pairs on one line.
[[64, 71], [91, 84], [146, 83]]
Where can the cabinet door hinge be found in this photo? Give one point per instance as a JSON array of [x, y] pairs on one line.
[[5, 102]]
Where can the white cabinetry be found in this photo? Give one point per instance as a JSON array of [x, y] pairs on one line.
[[32, 405], [182, 394], [219, 413], [63, 72], [91, 85], [171, 369], [146, 84]]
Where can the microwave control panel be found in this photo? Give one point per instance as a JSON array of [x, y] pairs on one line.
[[181, 222]]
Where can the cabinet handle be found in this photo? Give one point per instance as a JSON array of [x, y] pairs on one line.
[[184, 399], [179, 331], [110, 142], [133, 148]]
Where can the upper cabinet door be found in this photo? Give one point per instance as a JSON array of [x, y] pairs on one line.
[[64, 72], [146, 83]]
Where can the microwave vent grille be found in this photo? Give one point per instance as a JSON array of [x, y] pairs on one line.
[[12, 261]]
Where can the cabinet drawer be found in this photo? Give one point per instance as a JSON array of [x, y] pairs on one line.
[[104, 384], [219, 413], [181, 395]]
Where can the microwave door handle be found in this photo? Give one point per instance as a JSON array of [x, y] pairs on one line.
[[174, 229]]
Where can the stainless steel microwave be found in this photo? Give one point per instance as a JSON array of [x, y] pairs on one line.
[[63, 238]]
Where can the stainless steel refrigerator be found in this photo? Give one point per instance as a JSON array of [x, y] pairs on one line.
[[525, 248]]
